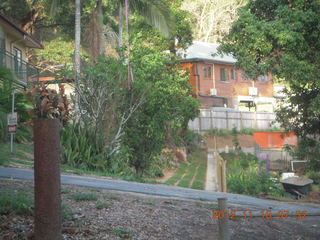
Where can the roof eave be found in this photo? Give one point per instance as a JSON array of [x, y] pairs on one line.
[[207, 60], [26, 36]]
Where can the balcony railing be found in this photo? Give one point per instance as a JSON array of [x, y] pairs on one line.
[[24, 72]]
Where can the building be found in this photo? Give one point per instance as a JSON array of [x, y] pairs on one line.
[[14, 43], [216, 82]]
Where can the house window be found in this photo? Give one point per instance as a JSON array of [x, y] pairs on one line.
[[207, 71], [224, 75], [234, 74], [2, 47], [245, 76], [263, 78], [17, 61]]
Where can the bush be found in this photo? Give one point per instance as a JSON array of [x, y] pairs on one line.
[[80, 149], [314, 175], [245, 176]]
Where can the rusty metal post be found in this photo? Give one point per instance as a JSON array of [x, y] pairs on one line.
[[47, 180], [224, 233]]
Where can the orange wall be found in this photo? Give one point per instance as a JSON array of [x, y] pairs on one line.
[[275, 139]]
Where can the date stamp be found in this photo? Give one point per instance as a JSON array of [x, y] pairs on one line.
[[265, 214]]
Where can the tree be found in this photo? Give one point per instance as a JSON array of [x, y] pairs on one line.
[[212, 18], [283, 37], [167, 108]]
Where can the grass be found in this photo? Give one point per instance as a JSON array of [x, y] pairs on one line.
[[84, 197], [66, 212], [185, 181], [103, 205], [176, 177], [16, 202], [123, 233], [193, 174], [246, 131], [111, 197], [17, 155]]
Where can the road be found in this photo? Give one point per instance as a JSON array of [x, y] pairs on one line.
[[163, 190]]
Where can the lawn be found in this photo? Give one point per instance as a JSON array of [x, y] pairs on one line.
[[191, 174], [22, 154]]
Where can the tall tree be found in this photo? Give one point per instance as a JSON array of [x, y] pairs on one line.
[[212, 18], [283, 37]]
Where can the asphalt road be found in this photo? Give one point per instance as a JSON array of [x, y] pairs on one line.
[[164, 190]]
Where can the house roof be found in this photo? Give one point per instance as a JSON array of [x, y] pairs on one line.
[[203, 51], [18, 32]]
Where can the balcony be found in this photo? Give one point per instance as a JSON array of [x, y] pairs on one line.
[[24, 73]]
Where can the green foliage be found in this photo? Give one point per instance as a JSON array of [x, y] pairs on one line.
[[103, 205], [7, 86], [66, 212], [16, 202], [80, 148], [308, 149], [84, 197], [245, 176], [123, 233], [167, 107], [111, 197], [314, 175], [282, 37], [192, 140]]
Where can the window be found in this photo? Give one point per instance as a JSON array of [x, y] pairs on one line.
[[245, 76], [17, 61], [207, 71], [2, 47], [224, 75], [263, 78], [234, 74]]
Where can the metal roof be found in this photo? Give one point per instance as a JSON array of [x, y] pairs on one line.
[[204, 51]]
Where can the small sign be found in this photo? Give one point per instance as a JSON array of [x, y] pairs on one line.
[[12, 129], [12, 119]]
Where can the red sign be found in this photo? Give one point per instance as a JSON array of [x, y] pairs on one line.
[[12, 129]]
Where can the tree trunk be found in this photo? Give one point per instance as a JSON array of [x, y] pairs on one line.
[[47, 180], [77, 41], [120, 24], [101, 46]]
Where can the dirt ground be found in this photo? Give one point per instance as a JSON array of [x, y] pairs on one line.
[[137, 216], [222, 142]]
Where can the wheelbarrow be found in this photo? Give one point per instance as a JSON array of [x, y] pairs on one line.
[[298, 186]]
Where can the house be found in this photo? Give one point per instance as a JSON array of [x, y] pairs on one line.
[[216, 82], [14, 43]]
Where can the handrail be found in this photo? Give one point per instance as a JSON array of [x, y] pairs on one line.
[[23, 71]]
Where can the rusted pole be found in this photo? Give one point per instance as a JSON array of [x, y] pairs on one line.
[[47, 180], [223, 221]]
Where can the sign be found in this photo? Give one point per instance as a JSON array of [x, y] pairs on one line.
[[12, 129], [12, 119]]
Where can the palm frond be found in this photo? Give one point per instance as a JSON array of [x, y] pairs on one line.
[[156, 14]]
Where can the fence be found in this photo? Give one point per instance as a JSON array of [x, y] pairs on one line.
[[210, 119]]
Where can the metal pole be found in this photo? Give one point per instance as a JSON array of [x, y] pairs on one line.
[[223, 222], [11, 134]]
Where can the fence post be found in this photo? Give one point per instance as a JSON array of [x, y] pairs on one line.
[[227, 119], [211, 120], [223, 222]]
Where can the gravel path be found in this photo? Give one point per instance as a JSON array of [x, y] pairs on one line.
[[163, 190]]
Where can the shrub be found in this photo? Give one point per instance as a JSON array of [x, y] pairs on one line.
[[84, 197], [245, 176], [16, 202]]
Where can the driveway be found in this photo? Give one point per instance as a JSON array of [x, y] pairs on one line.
[[164, 190]]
